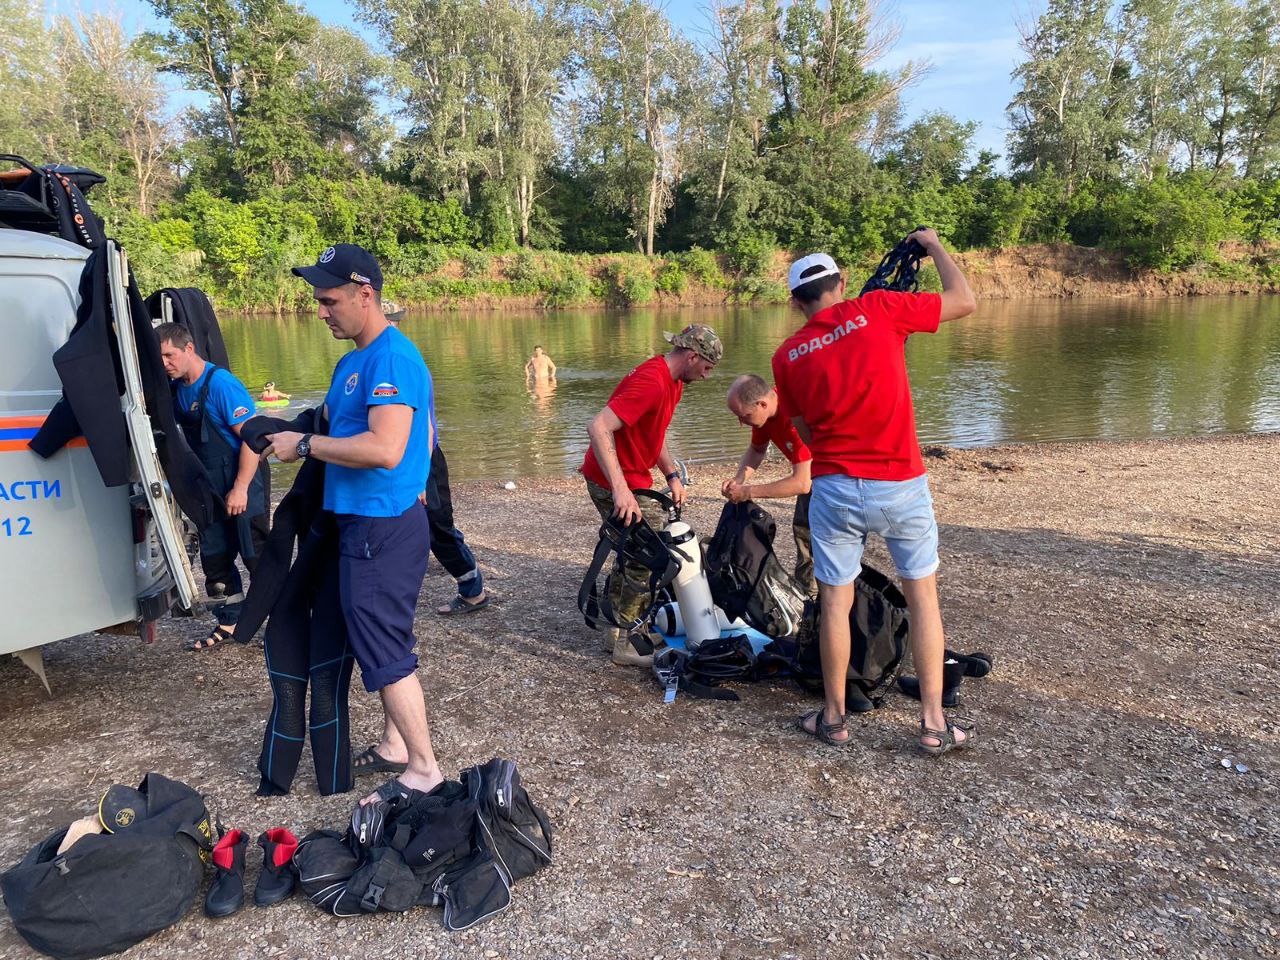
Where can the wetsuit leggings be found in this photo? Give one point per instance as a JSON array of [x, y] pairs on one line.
[[219, 546], [306, 644], [447, 543]]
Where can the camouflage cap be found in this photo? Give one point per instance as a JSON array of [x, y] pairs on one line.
[[699, 338]]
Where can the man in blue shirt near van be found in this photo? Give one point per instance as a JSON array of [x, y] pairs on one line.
[[210, 405], [377, 457]]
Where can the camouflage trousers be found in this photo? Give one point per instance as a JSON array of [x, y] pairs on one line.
[[804, 548], [628, 588]]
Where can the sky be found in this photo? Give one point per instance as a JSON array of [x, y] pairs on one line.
[[970, 45]]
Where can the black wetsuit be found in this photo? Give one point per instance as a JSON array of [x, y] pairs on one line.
[[306, 637], [226, 537]]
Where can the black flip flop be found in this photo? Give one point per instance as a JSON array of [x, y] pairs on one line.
[[371, 761]]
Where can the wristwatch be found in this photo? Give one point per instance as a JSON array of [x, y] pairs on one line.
[[673, 475], [304, 446]]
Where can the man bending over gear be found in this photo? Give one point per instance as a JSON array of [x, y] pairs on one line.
[[755, 404], [211, 405], [629, 438], [843, 378]]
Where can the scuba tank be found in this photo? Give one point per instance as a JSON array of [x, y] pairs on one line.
[[693, 592], [668, 622]]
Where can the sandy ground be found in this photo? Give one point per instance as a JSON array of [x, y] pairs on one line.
[[1128, 593]]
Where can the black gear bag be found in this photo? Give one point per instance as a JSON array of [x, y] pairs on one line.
[[878, 638], [111, 890], [745, 576]]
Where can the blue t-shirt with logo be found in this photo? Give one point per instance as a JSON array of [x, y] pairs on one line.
[[388, 370], [228, 401]]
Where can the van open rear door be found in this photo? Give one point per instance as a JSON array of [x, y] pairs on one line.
[[164, 512]]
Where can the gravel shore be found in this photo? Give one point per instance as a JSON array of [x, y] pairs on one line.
[[1127, 591]]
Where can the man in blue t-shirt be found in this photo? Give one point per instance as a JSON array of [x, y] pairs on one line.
[[377, 457], [211, 405]]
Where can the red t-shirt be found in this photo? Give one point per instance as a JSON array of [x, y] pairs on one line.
[[845, 373], [644, 401], [782, 432]]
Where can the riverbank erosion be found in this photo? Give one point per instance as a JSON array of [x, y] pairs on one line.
[[699, 278], [1127, 592]]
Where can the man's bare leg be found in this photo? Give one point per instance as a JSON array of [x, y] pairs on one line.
[[833, 641], [391, 747], [407, 715], [927, 651]]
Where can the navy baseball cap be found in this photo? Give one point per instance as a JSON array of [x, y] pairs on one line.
[[342, 263]]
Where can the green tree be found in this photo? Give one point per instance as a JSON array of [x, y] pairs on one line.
[[636, 93], [1071, 111], [1160, 46]]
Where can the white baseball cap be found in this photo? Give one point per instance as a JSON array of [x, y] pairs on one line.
[[794, 278]]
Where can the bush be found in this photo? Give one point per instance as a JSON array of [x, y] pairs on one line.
[[417, 259], [631, 281], [1169, 223], [475, 263], [523, 266], [565, 286], [702, 265], [750, 256], [671, 278], [760, 290]]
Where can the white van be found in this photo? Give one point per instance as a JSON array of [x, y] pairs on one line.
[[75, 555]]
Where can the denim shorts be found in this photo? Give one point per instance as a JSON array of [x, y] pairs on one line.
[[843, 510]]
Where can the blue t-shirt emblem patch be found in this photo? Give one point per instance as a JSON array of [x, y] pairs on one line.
[[388, 371]]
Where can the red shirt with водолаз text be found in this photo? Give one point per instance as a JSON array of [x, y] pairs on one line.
[[779, 430], [644, 401], [845, 373]]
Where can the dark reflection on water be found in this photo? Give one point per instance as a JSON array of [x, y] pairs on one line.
[[1015, 372]]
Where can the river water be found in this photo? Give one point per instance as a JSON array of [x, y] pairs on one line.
[[1022, 371]]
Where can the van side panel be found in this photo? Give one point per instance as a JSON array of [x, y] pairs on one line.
[[66, 540]]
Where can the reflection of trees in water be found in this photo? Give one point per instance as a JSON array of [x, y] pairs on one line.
[[1016, 371]]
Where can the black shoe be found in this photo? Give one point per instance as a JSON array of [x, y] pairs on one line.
[[952, 675], [226, 894], [911, 687], [976, 664], [855, 701], [276, 881]]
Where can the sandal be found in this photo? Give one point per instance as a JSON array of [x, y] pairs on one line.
[[371, 761], [458, 606], [821, 729], [217, 636], [947, 739]]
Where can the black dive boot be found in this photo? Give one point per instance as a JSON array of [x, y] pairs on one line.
[[952, 674], [855, 701], [226, 894], [976, 664], [275, 882]]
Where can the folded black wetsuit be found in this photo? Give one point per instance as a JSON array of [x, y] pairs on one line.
[[306, 637]]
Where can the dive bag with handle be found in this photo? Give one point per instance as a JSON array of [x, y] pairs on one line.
[[109, 891]]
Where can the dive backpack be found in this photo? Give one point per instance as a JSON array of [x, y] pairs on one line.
[[746, 578], [878, 632], [638, 544]]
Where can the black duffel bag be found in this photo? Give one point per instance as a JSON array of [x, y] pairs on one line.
[[111, 890]]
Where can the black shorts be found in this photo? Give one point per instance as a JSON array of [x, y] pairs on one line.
[[381, 563]]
